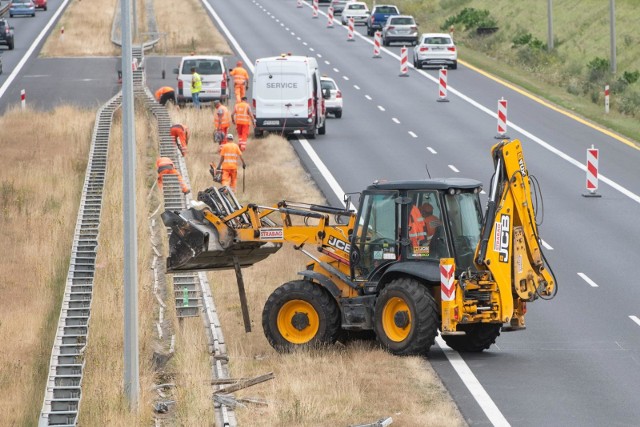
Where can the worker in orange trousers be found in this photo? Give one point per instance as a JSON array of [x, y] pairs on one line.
[[221, 122], [165, 167], [229, 155], [180, 134], [242, 117], [240, 80]]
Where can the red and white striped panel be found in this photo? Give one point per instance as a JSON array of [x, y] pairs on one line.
[[447, 285]]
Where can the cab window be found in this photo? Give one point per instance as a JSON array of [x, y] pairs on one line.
[[427, 238], [465, 221]]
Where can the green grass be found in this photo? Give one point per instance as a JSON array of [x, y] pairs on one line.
[[563, 76]]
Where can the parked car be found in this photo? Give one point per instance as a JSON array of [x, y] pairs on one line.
[[435, 49], [400, 28], [22, 8], [338, 6], [40, 4], [333, 104], [6, 33], [379, 15], [214, 76], [358, 10]]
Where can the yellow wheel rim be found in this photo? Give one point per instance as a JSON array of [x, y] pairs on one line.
[[394, 331], [298, 321]]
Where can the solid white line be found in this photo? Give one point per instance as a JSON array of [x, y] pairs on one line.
[[546, 245], [396, 120], [356, 87], [368, 97], [477, 391], [432, 150], [381, 108], [472, 383], [453, 168], [589, 281], [33, 47], [635, 319]]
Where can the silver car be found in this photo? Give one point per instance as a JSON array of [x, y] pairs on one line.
[[400, 28], [333, 104], [436, 49], [338, 6]]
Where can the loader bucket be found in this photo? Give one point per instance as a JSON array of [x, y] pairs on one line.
[[195, 244]]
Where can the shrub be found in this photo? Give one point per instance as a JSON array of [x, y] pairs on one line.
[[598, 69], [631, 76], [471, 18], [522, 39], [629, 103]]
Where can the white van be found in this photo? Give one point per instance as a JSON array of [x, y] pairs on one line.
[[287, 96], [214, 78]]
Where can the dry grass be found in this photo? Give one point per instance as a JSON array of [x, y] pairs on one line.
[[45, 155], [103, 401], [336, 386]]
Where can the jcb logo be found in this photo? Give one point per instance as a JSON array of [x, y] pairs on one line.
[[523, 169], [337, 243], [504, 238]]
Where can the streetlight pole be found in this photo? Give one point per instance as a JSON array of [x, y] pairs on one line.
[[131, 373], [612, 19], [550, 25]]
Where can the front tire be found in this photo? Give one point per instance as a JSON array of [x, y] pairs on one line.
[[479, 337], [300, 314], [406, 318]]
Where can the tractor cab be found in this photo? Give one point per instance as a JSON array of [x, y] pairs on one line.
[[407, 226]]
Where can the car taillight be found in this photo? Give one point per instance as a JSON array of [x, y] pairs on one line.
[[414, 28], [254, 104], [338, 94], [451, 48], [180, 84], [424, 49], [223, 84], [391, 28], [310, 108]]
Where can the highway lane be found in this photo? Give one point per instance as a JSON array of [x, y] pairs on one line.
[[577, 362]]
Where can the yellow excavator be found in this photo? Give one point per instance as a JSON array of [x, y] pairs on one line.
[[416, 258]]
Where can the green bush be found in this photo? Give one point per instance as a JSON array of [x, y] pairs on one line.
[[629, 103], [471, 19], [631, 76], [598, 69], [522, 39]]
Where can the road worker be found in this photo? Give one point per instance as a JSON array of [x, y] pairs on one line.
[[240, 80], [229, 155], [165, 167], [221, 122], [242, 117], [180, 134], [196, 87], [417, 231], [165, 94], [430, 221]]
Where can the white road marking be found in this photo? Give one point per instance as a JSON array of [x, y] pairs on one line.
[[312, 49], [432, 151], [395, 120], [356, 87], [368, 97], [589, 281], [546, 245], [336, 70], [463, 370], [477, 391], [345, 77], [635, 319], [413, 134], [327, 62], [304, 43], [319, 56], [453, 168], [381, 108]]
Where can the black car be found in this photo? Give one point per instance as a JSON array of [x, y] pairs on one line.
[[6, 33]]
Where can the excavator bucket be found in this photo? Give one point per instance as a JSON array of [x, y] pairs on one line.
[[195, 244]]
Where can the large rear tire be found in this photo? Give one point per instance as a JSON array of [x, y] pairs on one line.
[[300, 314], [479, 337], [406, 317]]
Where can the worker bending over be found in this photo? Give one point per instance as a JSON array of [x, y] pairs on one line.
[[180, 134], [243, 117], [165, 167], [165, 94], [229, 155], [240, 80], [221, 122]]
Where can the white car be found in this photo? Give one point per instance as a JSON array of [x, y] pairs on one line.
[[358, 10], [333, 104], [435, 49]]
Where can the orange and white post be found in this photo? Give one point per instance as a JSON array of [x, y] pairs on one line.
[[442, 86], [377, 37], [351, 25], [23, 99], [448, 295], [404, 62], [502, 119], [330, 17], [606, 99], [299, 3], [593, 155], [315, 9]]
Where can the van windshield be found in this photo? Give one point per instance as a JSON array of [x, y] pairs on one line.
[[203, 66]]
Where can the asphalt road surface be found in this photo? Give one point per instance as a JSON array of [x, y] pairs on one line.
[[578, 362]]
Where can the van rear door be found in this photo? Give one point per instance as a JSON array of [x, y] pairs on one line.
[[281, 90]]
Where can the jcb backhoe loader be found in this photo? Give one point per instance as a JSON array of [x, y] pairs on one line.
[[465, 273]]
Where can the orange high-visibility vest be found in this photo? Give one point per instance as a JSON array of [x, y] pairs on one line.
[[243, 113], [221, 117], [240, 76], [230, 153], [162, 91], [417, 232]]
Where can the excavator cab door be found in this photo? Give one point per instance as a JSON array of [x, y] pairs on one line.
[[375, 238]]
